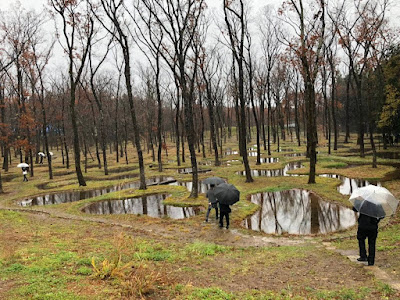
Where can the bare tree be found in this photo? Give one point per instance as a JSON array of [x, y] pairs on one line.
[[271, 47], [180, 22], [210, 64], [114, 13], [236, 25], [77, 31], [307, 44], [152, 41], [98, 94]]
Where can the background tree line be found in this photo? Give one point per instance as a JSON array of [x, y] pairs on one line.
[[305, 72]]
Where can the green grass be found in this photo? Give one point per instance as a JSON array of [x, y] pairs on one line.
[[201, 249]]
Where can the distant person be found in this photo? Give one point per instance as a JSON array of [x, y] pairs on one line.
[[367, 228], [212, 202], [41, 159], [224, 211], [25, 172]]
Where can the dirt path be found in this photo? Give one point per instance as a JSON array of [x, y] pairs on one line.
[[378, 273]]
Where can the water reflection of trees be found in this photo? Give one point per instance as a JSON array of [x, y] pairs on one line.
[[148, 205], [276, 172], [65, 197], [349, 185], [297, 212]]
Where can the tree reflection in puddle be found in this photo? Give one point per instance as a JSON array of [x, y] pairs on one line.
[[65, 197], [298, 212], [150, 205], [295, 154], [190, 170], [231, 152], [349, 185], [277, 172], [202, 188], [269, 160]]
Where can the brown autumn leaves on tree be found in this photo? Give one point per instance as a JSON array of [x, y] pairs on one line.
[[266, 77]]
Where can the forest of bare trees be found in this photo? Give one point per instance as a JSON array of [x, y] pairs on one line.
[[148, 73]]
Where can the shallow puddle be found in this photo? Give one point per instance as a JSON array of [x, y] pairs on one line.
[[231, 152], [269, 160], [190, 170], [298, 212], [274, 173], [66, 197], [150, 205], [349, 185], [202, 188]]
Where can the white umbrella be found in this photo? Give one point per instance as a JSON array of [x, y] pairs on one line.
[[374, 201], [51, 153], [41, 154], [23, 165]]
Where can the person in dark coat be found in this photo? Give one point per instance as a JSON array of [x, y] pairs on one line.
[[224, 211], [212, 202], [367, 228]]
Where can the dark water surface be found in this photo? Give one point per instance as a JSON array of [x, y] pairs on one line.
[[65, 197], [298, 211], [150, 205]]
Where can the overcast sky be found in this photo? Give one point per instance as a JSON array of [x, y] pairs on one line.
[[214, 6]]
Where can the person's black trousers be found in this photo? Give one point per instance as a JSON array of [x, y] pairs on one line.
[[221, 218], [214, 205], [371, 234]]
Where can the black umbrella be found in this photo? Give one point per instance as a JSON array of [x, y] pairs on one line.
[[213, 180], [226, 193]]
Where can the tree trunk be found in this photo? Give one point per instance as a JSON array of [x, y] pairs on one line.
[[347, 135], [77, 155], [296, 114], [127, 72], [311, 128], [177, 141]]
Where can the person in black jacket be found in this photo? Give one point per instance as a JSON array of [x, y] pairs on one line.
[[367, 228], [212, 202], [224, 210]]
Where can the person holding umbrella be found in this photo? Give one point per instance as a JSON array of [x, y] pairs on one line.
[[24, 167], [367, 228], [25, 172], [41, 155], [373, 203], [212, 202], [226, 195], [224, 211]]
